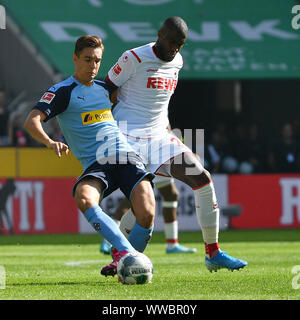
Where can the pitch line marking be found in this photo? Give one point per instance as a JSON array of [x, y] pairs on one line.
[[79, 263]]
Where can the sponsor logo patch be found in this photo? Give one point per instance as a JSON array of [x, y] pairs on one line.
[[96, 116], [162, 84], [117, 69], [47, 97]]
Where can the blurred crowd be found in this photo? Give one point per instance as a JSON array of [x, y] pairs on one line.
[[12, 133], [235, 148], [243, 149]]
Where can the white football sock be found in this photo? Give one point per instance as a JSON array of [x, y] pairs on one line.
[[171, 233], [127, 222], [207, 212]]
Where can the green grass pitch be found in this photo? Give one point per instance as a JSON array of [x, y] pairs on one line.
[[66, 267]]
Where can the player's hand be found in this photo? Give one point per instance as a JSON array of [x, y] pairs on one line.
[[59, 148]]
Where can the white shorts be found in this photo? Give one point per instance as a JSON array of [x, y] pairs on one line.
[[158, 152], [161, 181]]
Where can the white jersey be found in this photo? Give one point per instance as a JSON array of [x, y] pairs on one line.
[[146, 85]]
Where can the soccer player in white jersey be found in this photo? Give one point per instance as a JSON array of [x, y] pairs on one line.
[[83, 109], [145, 78]]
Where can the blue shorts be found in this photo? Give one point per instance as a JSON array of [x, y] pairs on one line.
[[114, 176]]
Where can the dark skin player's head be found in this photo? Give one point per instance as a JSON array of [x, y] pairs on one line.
[[171, 38]]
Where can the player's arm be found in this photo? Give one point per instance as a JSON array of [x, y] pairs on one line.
[[119, 73], [33, 124], [52, 103], [113, 90]]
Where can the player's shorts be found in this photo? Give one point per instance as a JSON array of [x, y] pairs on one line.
[[114, 176], [158, 152]]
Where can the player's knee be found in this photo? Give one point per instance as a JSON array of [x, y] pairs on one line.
[[206, 176], [84, 200], [147, 213], [198, 180], [143, 204], [83, 203]]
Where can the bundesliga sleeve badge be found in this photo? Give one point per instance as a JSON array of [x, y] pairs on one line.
[[47, 97], [117, 69]]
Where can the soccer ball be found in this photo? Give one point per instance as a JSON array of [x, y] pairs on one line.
[[135, 268]]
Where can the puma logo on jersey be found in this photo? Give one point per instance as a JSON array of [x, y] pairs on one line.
[[162, 84]]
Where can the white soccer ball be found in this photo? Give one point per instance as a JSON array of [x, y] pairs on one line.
[[135, 268]]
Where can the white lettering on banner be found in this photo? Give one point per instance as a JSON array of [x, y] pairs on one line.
[[148, 2], [210, 32], [134, 31], [290, 200], [295, 21], [2, 18], [26, 190], [95, 3], [57, 30], [39, 223], [250, 33], [9, 209], [144, 31], [226, 59]]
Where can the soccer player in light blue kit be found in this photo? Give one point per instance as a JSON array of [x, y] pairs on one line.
[[83, 110]]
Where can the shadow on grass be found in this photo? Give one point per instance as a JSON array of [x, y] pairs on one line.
[[184, 237], [158, 237]]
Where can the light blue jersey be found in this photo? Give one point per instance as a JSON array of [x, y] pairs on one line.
[[85, 118]]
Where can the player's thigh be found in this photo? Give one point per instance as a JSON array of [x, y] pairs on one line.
[[188, 169], [161, 181], [165, 150]]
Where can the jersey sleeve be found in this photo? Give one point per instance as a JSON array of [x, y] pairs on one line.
[[123, 69], [53, 102]]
